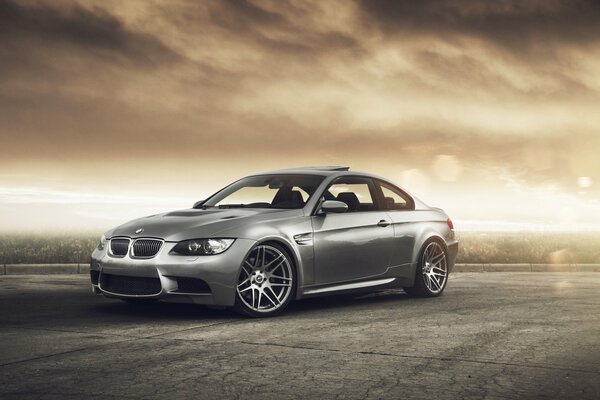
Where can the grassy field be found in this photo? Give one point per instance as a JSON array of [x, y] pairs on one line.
[[529, 247], [475, 247], [45, 248]]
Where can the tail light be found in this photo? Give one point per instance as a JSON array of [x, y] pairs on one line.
[[450, 224]]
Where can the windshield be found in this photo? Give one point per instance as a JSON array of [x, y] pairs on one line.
[[267, 191]]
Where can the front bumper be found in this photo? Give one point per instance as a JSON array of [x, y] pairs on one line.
[[220, 272]]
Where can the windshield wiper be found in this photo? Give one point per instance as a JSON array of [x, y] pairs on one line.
[[232, 205]]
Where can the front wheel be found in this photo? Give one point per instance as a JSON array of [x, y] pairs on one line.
[[432, 271], [267, 281]]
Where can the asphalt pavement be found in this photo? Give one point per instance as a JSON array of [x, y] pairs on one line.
[[491, 335]]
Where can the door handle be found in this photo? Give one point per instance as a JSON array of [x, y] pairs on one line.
[[384, 223]]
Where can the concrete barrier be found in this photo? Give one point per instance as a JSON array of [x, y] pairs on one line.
[[468, 268], [459, 267], [507, 268], [553, 268], [84, 268], [588, 267]]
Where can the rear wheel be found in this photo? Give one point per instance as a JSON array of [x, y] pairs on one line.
[[432, 271], [267, 281]]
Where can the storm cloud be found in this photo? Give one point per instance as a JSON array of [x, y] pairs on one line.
[[507, 90], [513, 24]]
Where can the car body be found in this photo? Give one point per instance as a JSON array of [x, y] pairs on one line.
[[327, 230]]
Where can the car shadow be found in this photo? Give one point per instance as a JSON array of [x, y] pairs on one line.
[[181, 311], [162, 310], [346, 300]]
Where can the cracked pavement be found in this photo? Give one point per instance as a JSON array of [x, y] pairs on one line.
[[493, 336]]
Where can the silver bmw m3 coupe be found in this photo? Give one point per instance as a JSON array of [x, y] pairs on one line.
[[268, 239]]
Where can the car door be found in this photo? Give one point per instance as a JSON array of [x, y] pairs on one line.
[[405, 222], [356, 244]]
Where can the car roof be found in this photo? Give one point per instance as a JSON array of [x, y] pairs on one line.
[[323, 171], [328, 171]]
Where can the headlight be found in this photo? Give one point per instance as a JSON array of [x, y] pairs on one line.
[[201, 247], [102, 243]]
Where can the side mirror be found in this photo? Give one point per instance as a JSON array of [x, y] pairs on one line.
[[333, 206], [198, 203]]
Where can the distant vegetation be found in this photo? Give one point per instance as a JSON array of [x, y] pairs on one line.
[[475, 247], [46, 248], [529, 247]]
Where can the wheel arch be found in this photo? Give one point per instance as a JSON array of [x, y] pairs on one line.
[[292, 252], [425, 239], [420, 287]]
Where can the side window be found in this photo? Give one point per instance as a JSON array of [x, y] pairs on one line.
[[393, 198], [358, 193]]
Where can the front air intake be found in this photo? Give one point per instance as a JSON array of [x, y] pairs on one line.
[[130, 285], [192, 286], [94, 275]]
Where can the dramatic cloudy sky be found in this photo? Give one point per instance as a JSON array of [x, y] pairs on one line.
[[111, 110]]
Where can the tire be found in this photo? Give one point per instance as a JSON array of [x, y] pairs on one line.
[[267, 281], [431, 275]]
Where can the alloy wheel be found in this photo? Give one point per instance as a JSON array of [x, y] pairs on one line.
[[435, 267], [266, 279]]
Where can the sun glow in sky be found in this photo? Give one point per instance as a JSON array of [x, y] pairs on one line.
[[113, 110]]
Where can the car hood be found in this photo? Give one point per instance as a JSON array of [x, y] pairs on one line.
[[198, 223]]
